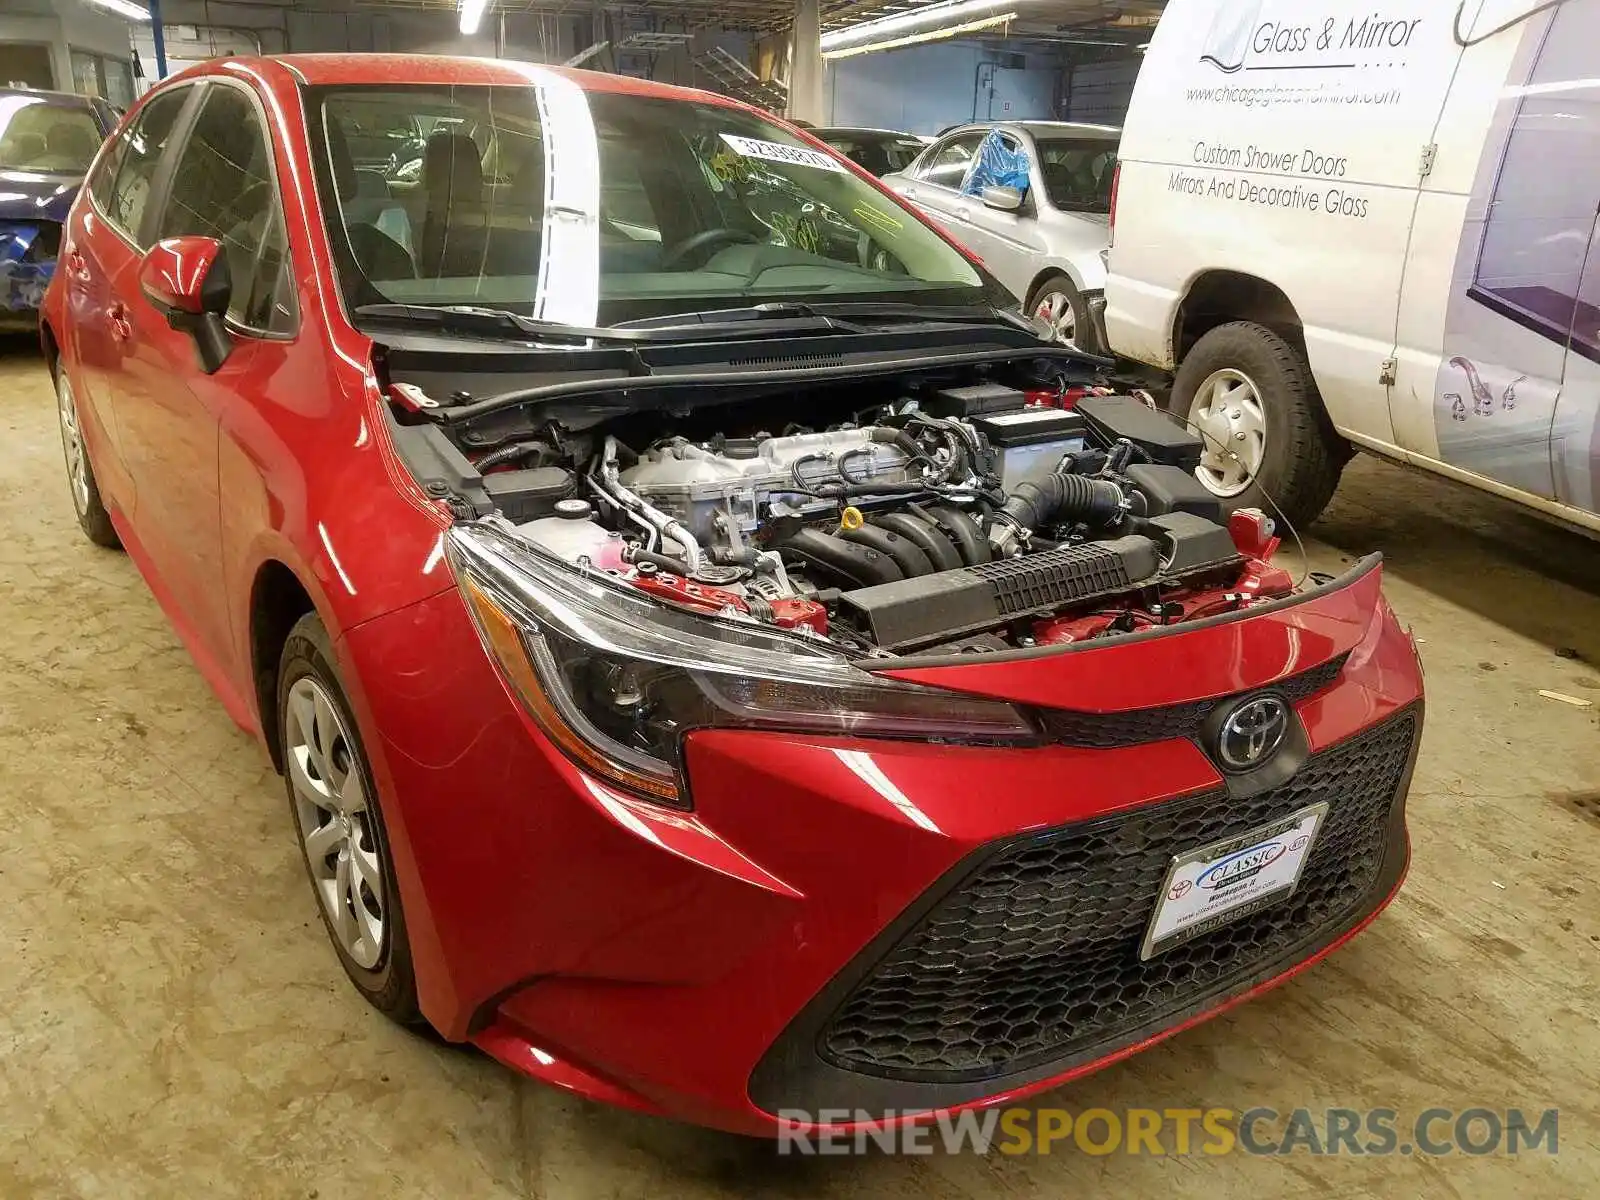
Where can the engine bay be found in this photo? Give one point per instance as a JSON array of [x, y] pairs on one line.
[[952, 518]]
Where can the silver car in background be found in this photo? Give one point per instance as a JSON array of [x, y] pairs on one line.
[[1033, 200]]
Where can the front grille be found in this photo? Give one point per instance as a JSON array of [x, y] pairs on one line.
[[1133, 727], [1034, 956]]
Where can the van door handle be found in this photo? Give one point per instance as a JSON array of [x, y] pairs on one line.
[[121, 327]]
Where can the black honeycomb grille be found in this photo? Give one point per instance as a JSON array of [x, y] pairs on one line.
[[1035, 956], [1134, 727]]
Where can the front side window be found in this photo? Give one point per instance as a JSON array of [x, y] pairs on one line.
[[136, 157], [582, 206], [222, 188], [1077, 172], [46, 137], [1001, 162], [947, 163]]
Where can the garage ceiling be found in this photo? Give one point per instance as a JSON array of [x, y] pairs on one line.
[[1042, 17]]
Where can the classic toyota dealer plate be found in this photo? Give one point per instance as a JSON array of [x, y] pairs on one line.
[[1225, 881]]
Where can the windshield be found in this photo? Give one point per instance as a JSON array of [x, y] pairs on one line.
[[1077, 172], [595, 207], [37, 134]]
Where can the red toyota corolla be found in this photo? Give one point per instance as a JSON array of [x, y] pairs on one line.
[[720, 659]]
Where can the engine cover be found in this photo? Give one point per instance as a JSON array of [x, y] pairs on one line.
[[697, 483]]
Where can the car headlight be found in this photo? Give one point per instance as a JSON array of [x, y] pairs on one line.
[[616, 679]]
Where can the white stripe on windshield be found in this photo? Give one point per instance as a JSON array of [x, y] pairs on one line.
[[569, 267]]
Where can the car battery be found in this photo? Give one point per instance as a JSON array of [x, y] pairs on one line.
[[1030, 444]]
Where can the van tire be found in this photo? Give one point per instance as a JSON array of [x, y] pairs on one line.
[[1301, 455]]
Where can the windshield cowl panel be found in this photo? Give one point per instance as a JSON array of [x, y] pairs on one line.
[[587, 207]]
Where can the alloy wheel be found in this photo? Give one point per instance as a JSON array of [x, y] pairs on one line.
[[336, 824], [1232, 421], [1055, 310], [72, 445]]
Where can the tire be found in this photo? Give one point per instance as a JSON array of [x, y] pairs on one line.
[[323, 758], [91, 512], [1058, 302], [1290, 458]]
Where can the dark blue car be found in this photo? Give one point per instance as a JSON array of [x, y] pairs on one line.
[[47, 141]]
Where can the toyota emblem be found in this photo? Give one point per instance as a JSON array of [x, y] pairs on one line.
[[1252, 733]]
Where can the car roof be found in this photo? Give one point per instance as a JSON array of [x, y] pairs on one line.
[[64, 99], [331, 70], [1043, 128], [862, 131]]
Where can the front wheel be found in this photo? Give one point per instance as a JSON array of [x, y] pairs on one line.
[[92, 516], [1059, 304], [1268, 442], [340, 826]]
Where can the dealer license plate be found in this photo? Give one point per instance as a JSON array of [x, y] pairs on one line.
[[1228, 880]]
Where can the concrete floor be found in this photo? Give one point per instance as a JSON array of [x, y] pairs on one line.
[[173, 1023]]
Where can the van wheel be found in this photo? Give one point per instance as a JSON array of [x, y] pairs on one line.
[[1059, 304], [1268, 441]]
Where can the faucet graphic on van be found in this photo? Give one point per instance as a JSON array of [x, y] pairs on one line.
[[1482, 397], [1229, 38]]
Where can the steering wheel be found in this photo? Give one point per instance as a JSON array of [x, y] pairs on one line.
[[675, 255]]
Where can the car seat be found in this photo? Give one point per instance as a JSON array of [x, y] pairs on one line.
[[377, 254], [454, 241]]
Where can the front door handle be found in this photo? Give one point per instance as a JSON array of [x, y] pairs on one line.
[[78, 266], [121, 327]]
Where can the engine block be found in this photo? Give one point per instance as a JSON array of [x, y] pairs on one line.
[[716, 492]]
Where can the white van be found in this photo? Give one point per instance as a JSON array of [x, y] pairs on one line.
[[1370, 225]]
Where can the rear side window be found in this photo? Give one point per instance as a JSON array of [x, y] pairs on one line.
[[222, 187], [132, 165]]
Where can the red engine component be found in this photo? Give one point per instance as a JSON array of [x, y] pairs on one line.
[[682, 591], [1254, 533], [791, 613], [1258, 580], [796, 613], [1066, 397]]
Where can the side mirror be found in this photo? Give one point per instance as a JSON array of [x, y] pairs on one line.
[[186, 280], [1006, 199]]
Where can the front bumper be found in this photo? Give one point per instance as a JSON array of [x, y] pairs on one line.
[[27, 264], [772, 949]]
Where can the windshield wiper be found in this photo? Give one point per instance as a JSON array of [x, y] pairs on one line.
[[846, 315], [472, 318]]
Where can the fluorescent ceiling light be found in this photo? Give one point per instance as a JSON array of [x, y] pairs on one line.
[[124, 8], [471, 14], [925, 35], [947, 14]]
